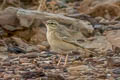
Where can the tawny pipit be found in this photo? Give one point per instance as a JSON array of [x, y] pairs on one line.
[[61, 39]]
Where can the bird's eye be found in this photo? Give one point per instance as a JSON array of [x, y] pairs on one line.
[[51, 23]]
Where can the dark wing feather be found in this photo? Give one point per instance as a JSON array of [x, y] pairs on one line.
[[67, 37]]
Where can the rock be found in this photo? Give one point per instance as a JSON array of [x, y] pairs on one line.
[[84, 27], [3, 55], [45, 43], [71, 10], [46, 54], [9, 28], [61, 4], [78, 70], [8, 16], [98, 44], [15, 49], [118, 78], [49, 67], [30, 55], [113, 37], [33, 48], [35, 36], [116, 71], [55, 77], [33, 74], [7, 3], [41, 47], [8, 76], [39, 36], [6, 64], [23, 33], [3, 32], [100, 8], [3, 49], [9, 21], [116, 61], [20, 42], [24, 60], [26, 21]]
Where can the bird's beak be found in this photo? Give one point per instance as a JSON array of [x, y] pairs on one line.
[[45, 23]]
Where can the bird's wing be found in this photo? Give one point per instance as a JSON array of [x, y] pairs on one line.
[[67, 37]]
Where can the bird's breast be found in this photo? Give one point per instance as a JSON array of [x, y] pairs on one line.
[[52, 38], [58, 44]]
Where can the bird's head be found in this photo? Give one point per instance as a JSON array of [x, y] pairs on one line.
[[52, 24]]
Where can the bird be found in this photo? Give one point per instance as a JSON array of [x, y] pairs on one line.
[[62, 40]]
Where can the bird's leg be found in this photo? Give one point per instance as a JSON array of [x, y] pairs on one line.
[[59, 60], [66, 60]]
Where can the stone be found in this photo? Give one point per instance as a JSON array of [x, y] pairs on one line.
[[113, 37], [78, 70]]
